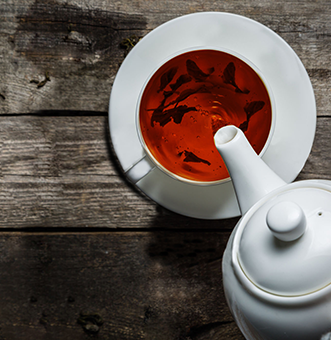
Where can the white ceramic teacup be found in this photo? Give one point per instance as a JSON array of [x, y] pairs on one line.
[[175, 95]]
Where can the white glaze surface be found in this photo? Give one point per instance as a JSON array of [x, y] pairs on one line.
[[265, 315], [293, 94], [289, 268], [287, 221]]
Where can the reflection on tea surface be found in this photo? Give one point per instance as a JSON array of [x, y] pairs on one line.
[[189, 98]]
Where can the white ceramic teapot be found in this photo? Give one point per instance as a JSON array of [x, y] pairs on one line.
[[277, 264]]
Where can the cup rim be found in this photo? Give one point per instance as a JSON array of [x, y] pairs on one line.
[[200, 48]]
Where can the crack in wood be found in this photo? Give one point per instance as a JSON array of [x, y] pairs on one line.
[[59, 113], [102, 230], [33, 21], [197, 331], [320, 73]]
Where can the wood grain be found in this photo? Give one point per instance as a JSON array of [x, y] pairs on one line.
[[164, 285], [318, 165], [60, 171], [83, 254], [79, 45]]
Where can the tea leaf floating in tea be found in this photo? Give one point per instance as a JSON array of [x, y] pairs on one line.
[[182, 96], [176, 113], [167, 78], [250, 109], [183, 79], [191, 157], [189, 92], [194, 71], [229, 77]]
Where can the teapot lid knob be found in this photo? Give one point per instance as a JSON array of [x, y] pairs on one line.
[[286, 220]]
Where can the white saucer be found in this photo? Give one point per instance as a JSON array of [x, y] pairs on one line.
[[294, 98]]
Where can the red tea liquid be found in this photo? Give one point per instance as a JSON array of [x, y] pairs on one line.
[[189, 98]]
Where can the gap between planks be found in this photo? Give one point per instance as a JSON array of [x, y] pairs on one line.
[[98, 230]]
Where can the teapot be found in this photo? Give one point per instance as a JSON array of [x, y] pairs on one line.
[[277, 263]]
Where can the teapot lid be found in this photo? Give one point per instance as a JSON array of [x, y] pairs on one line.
[[285, 242]]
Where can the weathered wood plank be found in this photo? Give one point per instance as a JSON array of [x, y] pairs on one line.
[[151, 285], [79, 45], [56, 146], [318, 165], [61, 172], [49, 204], [71, 147]]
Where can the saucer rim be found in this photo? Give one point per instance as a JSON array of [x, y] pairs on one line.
[[145, 184]]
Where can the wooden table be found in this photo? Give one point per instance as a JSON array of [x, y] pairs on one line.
[[82, 252]]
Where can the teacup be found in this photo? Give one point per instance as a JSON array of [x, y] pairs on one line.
[[186, 100]]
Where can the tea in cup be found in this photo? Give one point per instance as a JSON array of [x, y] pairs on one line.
[[187, 100]]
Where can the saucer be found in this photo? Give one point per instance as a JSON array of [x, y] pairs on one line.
[[293, 94]]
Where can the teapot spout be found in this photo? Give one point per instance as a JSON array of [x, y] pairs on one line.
[[252, 178]]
